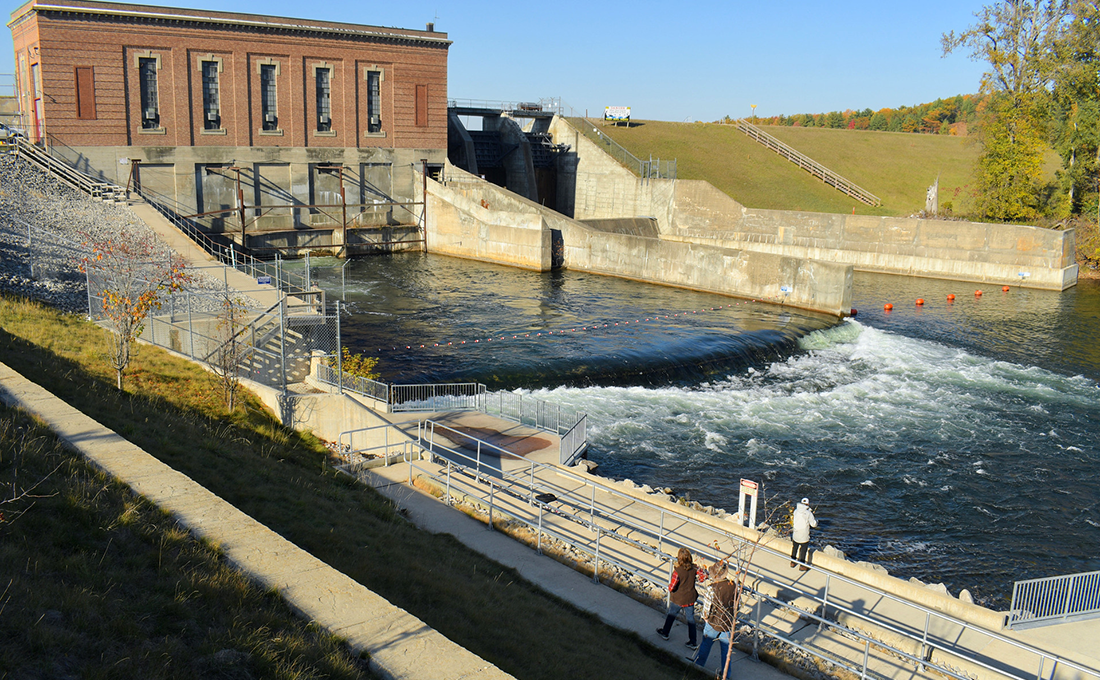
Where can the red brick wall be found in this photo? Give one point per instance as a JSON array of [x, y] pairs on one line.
[[110, 47]]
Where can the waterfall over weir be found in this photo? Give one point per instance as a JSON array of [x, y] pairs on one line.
[[953, 442]]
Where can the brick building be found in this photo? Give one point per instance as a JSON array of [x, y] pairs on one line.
[[191, 102]]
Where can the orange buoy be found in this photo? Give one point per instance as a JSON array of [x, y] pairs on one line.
[[977, 293], [920, 301], [950, 297], [888, 306], [1004, 288], [855, 311]]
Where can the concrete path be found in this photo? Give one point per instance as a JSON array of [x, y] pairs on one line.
[[609, 605], [399, 644], [973, 651]]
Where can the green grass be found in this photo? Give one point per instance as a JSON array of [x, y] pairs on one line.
[[896, 167], [279, 477]]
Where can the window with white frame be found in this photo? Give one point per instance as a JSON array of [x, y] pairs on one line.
[[211, 109], [147, 84], [269, 109], [324, 98]]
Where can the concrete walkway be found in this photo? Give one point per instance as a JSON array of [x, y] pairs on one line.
[[609, 605], [876, 612], [399, 644]]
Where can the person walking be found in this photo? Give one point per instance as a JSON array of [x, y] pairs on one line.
[[800, 534], [682, 595], [720, 616]]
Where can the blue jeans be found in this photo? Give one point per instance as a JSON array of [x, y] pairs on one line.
[[689, 615], [709, 636]]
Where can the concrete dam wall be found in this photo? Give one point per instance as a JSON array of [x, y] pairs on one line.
[[471, 218], [695, 211]]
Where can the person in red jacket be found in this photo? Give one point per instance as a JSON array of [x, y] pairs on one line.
[[682, 595], [721, 615]]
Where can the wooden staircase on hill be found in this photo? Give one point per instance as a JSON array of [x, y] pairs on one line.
[[809, 165]]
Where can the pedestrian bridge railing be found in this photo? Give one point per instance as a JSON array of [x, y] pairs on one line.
[[570, 425], [643, 542], [1056, 599]]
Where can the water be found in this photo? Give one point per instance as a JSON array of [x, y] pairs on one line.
[[955, 442]]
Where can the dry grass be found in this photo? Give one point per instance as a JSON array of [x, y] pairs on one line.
[[98, 583], [172, 410]]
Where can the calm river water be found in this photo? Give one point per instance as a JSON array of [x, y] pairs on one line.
[[957, 443]]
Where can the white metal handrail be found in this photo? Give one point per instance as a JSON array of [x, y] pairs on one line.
[[1055, 599], [803, 161], [575, 505]]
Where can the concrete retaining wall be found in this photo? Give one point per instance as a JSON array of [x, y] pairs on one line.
[[695, 211], [475, 219], [462, 222]]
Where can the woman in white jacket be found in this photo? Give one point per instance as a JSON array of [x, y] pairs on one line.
[[800, 535]]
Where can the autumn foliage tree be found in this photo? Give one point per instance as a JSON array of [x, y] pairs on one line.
[[130, 275]]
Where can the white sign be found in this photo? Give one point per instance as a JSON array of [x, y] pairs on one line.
[[749, 489], [616, 113]]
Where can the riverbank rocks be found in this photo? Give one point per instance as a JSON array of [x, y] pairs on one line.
[[872, 566], [586, 465], [833, 552]]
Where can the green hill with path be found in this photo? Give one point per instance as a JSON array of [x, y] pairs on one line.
[[898, 167]]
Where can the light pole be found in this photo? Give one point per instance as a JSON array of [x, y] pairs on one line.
[[753, 113]]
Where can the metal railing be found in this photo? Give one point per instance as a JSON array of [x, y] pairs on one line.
[[808, 164], [346, 382], [437, 397], [514, 484], [97, 189], [394, 444], [1055, 599], [653, 168]]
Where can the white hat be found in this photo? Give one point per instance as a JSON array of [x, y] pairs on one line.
[[805, 501]]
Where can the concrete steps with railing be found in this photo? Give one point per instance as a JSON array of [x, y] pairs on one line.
[[845, 186]]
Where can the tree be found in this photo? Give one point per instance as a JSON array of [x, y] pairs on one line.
[[1075, 114], [1017, 39], [129, 275], [232, 350], [1010, 166]]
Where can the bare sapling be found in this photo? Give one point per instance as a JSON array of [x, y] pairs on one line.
[[233, 348], [129, 275], [739, 561]]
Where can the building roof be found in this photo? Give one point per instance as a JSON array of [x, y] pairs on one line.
[[170, 15]]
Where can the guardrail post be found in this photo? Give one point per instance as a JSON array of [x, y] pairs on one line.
[[492, 493], [866, 653], [592, 507], [539, 541], [448, 482], [825, 599], [661, 535], [756, 630], [596, 570], [925, 653], [190, 328]]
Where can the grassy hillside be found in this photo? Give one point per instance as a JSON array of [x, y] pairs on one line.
[[897, 167]]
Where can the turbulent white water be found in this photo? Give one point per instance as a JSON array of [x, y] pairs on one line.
[[913, 450], [952, 441]]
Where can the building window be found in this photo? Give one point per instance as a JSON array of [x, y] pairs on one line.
[[421, 106], [85, 92], [211, 110], [147, 80], [268, 103], [374, 102], [324, 99]]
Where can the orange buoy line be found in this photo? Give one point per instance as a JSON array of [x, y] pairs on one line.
[[1004, 288], [977, 293], [920, 302], [888, 306], [950, 297]]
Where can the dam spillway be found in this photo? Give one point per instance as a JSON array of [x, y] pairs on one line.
[[948, 443]]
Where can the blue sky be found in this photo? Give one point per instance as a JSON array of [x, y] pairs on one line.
[[674, 61]]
